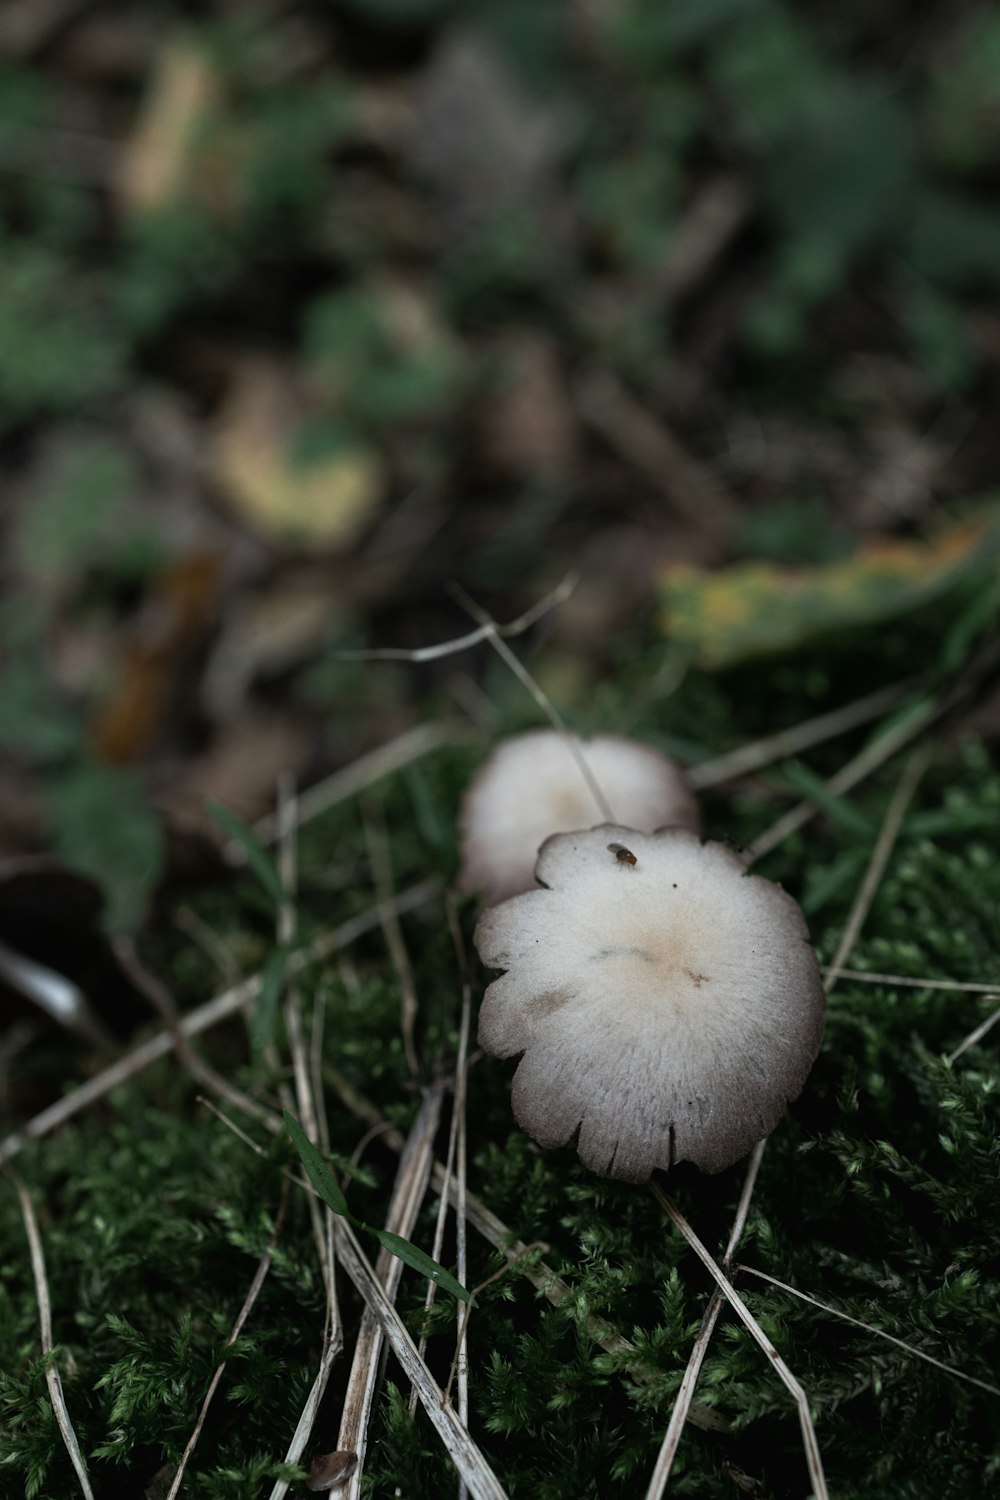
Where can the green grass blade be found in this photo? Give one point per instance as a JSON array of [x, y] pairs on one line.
[[323, 1181], [419, 1261], [257, 857], [317, 1171]]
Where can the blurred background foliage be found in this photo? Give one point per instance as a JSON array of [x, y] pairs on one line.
[[308, 308]]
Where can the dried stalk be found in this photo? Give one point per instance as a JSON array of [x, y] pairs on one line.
[[52, 1377], [201, 1019]]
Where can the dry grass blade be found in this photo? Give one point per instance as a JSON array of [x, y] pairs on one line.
[[660, 1477], [810, 1444], [975, 1036], [488, 629], [863, 976], [377, 841], [306, 1422], [491, 633], [466, 1456], [202, 1072], [461, 1205], [884, 845], [263, 1266], [788, 742], [517, 1254], [52, 1377], [203, 1018], [443, 1199], [384, 761], [308, 1106], [848, 777], [835, 1312], [407, 1197], [860, 907]]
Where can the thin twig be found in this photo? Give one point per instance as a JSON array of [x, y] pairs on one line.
[[153, 987], [306, 1104], [810, 1444], [263, 1266], [863, 976], [884, 845], [443, 1198], [835, 1312], [465, 1455], [788, 742], [201, 1019], [407, 1197], [848, 777], [303, 1431], [977, 1035], [685, 1394], [52, 1377], [487, 631], [461, 1206], [491, 633], [541, 1275], [347, 782], [377, 841]]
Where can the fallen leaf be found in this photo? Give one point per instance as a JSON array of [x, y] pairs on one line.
[[756, 609], [158, 162], [170, 625], [483, 146], [331, 1470], [322, 503]]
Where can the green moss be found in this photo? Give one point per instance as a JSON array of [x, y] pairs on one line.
[[878, 1194]]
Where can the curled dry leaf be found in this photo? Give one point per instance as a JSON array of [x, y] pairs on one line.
[[330, 1470], [532, 786], [322, 504], [667, 1010]]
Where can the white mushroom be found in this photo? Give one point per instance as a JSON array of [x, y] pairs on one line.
[[532, 786], [667, 1010]]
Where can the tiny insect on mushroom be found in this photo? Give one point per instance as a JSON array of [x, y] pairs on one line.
[[622, 855], [668, 1017], [532, 786]]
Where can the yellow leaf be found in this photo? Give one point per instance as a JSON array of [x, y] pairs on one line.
[[158, 161], [756, 609], [317, 505]]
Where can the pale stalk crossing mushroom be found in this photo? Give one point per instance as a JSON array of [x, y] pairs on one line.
[[533, 786], [667, 1010]]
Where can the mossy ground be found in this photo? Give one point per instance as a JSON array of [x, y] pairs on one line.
[[878, 1193]]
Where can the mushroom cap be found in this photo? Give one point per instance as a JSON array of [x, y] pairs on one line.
[[668, 1010], [531, 787]]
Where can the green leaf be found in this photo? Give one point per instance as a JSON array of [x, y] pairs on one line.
[[257, 856], [317, 1171], [410, 1255], [323, 1181], [100, 824]]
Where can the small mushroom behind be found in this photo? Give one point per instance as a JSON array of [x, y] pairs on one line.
[[531, 787], [667, 1010]]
